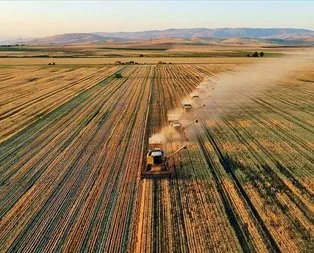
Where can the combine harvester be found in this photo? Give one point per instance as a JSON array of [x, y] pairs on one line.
[[157, 161], [177, 126], [195, 97], [188, 108]]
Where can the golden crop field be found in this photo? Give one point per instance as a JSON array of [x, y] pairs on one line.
[[149, 60], [73, 142]]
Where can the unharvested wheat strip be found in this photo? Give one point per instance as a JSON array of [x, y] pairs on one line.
[[175, 220], [212, 217], [185, 243], [191, 233]]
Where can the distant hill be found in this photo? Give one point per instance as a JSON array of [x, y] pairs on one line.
[[265, 33], [73, 38], [277, 35]]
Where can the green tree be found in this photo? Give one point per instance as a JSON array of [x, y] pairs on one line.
[[255, 54]]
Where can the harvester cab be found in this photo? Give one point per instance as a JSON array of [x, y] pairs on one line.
[[187, 108], [156, 161], [195, 97], [176, 125]]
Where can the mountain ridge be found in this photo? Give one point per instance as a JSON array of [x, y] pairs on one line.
[[186, 33]]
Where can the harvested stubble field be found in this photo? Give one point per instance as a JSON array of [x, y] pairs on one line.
[[72, 144]]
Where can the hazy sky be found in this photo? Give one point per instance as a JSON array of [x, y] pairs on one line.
[[43, 18]]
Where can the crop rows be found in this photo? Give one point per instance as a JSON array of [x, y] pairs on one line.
[[68, 187], [73, 141], [245, 183], [174, 211], [274, 163], [28, 96]]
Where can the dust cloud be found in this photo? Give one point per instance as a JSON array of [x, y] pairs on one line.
[[167, 134], [239, 85], [256, 78]]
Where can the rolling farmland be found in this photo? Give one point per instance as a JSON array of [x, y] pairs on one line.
[[73, 141]]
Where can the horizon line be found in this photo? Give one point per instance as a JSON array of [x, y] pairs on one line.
[[165, 29]]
